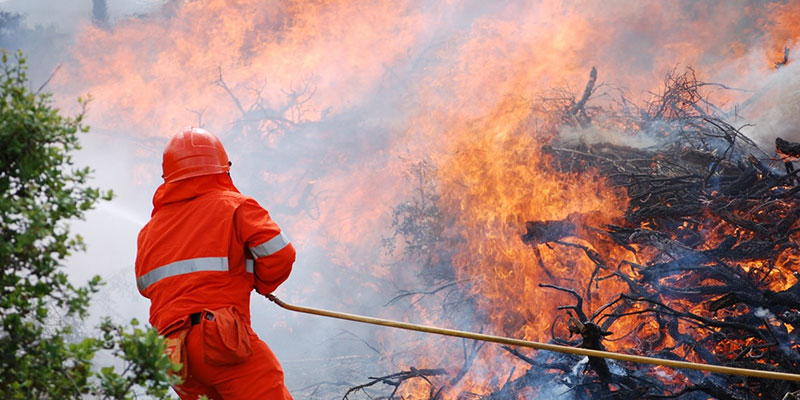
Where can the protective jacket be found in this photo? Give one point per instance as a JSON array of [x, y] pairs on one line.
[[204, 250], [207, 246]]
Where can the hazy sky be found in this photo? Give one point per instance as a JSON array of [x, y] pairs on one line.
[[66, 14]]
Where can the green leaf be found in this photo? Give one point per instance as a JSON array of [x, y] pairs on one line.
[[41, 192]]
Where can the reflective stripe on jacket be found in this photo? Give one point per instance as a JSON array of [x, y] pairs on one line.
[[207, 246]]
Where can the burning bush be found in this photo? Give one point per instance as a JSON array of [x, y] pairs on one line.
[[696, 259]]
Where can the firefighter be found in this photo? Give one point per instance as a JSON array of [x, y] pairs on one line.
[[205, 248]]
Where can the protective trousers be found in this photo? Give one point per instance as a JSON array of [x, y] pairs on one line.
[[227, 361]]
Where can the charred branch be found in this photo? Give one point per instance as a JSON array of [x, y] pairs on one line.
[[784, 60], [397, 379], [265, 118], [787, 148], [576, 111], [550, 231]]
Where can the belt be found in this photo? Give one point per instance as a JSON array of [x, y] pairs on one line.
[[198, 316]]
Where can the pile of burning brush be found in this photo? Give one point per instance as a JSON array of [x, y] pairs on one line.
[[719, 225], [713, 220]]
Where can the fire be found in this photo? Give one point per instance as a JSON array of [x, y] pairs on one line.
[[328, 102], [160, 71], [783, 34], [497, 177]]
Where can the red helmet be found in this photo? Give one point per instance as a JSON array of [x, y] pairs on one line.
[[194, 152]]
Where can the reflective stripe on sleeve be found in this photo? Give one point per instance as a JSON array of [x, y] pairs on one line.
[[271, 246], [182, 267], [248, 265]]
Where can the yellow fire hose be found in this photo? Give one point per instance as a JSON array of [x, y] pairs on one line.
[[540, 346]]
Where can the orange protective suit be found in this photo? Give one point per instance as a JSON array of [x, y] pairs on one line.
[[205, 249]]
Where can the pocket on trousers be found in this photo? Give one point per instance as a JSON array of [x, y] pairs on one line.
[[176, 351], [225, 337]]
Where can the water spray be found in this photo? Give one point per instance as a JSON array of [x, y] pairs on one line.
[[540, 346]]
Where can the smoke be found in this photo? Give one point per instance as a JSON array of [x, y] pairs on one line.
[[775, 110], [323, 106]]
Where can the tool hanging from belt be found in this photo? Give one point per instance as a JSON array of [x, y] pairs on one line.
[[540, 346]]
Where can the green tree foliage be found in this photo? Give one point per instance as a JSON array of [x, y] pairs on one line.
[[40, 190]]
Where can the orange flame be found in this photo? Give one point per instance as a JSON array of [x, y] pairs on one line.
[[457, 82]]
